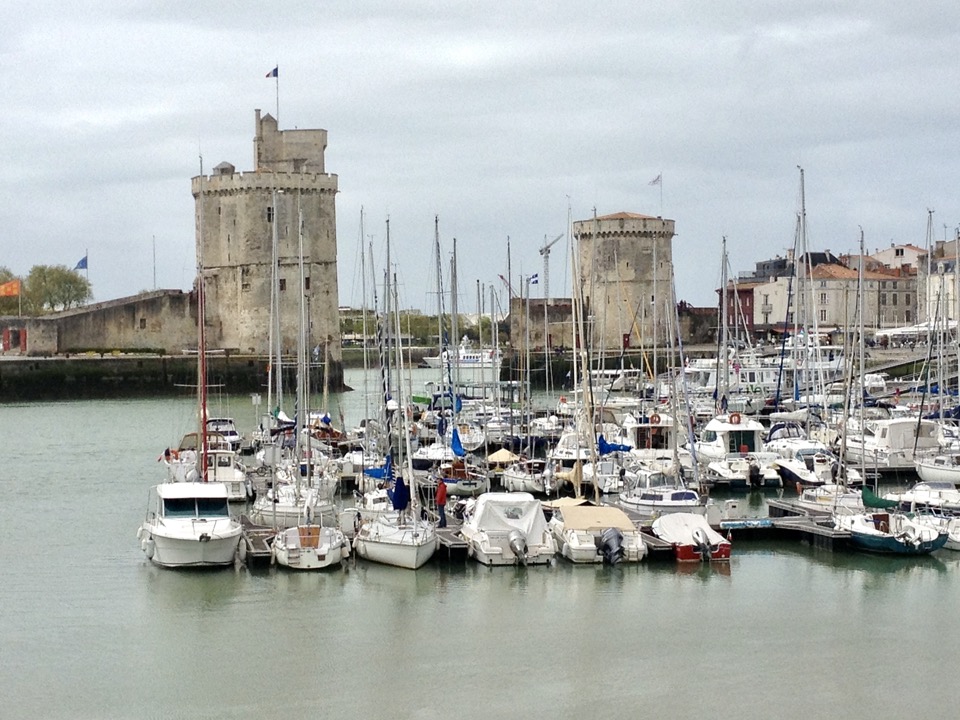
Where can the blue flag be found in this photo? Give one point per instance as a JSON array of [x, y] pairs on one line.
[[82, 265]]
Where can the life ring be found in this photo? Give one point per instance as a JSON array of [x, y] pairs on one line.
[[563, 399], [735, 418], [655, 419]]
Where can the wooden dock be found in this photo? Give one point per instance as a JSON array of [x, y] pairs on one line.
[[255, 542]]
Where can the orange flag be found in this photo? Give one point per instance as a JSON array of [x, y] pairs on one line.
[[10, 289]]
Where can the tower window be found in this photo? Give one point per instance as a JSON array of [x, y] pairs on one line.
[[143, 323], [306, 283], [269, 214], [283, 284]]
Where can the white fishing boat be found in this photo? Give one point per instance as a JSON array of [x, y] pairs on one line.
[[189, 525], [226, 428], [728, 433], [310, 547], [893, 444], [508, 529], [595, 533], [467, 357], [829, 496]]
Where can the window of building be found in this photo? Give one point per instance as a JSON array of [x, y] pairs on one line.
[[143, 323], [907, 316], [283, 284], [823, 298], [883, 298], [823, 314], [906, 299], [898, 252], [893, 299], [894, 286], [269, 214], [306, 283]]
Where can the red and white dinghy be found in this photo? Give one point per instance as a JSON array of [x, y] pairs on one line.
[[692, 537]]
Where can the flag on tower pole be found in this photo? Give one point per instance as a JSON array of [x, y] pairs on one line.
[[81, 264], [657, 180], [275, 74]]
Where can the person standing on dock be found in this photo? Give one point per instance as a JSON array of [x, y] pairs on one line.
[[441, 502]]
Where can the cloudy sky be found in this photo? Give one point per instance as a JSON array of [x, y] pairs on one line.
[[504, 119]]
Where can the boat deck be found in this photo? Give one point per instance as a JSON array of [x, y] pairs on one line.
[[256, 539]]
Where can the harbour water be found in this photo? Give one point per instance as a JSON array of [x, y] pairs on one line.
[[89, 629]]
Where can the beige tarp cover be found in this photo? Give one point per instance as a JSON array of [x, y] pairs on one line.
[[502, 456], [592, 517]]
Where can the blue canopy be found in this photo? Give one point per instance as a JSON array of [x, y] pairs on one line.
[[605, 448]]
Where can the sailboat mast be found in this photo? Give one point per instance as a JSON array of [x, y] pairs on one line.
[[201, 343]]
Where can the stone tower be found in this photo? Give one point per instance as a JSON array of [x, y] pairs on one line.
[[626, 271], [242, 213]]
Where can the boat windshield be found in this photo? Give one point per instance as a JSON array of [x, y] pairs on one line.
[[195, 507]]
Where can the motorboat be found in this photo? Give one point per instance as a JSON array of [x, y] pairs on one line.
[[892, 444], [507, 529], [227, 428], [814, 466], [692, 538], [310, 547], [657, 493], [728, 433], [188, 524], [595, 533], [742, 471], [223, 466]]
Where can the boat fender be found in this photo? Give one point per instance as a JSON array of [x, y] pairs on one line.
[[148, 546], [262, 470], [242, 550], [735, 418], [251, 491]]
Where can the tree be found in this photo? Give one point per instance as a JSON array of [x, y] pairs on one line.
[[55, 287]]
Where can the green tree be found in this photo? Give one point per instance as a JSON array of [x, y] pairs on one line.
[[55, 287]]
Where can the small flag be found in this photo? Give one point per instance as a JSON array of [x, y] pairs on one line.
[[10, 289], [535, 278], [275, 72], [82, 264], [657, 180]]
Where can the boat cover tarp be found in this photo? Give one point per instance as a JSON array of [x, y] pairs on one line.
[[605, 448], [872, 500], [385, 471], [509, 511], [502, 457], [400, 496], [678, 528], [595, 517]]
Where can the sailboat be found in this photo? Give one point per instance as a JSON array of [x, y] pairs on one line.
[[397, 536], [188, 524]]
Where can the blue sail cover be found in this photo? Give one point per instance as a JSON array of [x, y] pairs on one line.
[[400, 497], [384, 472], [456, 445], [605, 448]]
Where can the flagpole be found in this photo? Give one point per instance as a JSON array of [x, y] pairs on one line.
[[276, 78], [661, 193], [86, 266]]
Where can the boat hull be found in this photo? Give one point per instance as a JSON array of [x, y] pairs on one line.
[[167, 550], [409, 548]]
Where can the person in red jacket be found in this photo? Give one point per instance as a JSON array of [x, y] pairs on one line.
[[442, 502]]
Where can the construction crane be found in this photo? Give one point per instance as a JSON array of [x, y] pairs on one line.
[[545, 252]]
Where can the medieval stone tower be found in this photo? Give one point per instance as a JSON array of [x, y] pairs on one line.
[[289, 199], [626, 271]]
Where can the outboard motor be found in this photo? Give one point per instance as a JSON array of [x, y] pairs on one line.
[[610, 544], [518, 544], [702, 542]]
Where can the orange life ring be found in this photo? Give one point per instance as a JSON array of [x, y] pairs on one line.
[[735, 418], [563, 398], [654, 419]]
